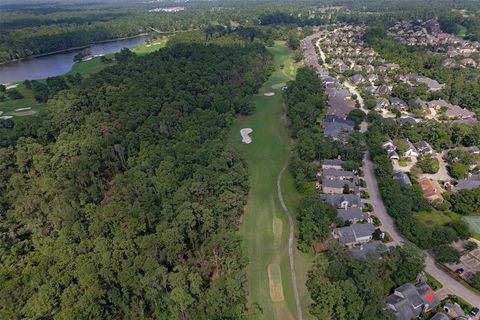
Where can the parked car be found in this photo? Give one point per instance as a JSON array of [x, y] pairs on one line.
[[459, 271], [474, 311]]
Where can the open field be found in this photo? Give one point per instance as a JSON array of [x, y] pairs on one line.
[[266, 155]]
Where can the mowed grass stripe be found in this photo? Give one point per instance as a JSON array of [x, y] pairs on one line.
[[266, 156]]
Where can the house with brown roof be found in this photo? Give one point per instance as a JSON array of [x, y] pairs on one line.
[[431, 189]]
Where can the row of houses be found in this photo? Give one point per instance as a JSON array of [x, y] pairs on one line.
[[459, 52], [339, 188]]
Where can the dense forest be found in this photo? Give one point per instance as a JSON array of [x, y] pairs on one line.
[[124, 201], [31, 29]]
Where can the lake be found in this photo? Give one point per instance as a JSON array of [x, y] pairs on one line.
[[58, 63]]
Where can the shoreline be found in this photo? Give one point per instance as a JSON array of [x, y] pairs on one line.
[[73, 48]]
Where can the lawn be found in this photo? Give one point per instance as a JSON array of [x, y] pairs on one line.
[[266, 156], [8, 107], [435, 217], [474, 223]]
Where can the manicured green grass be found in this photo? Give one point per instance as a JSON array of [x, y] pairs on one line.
[[266, 155], [87, 68], [435, 217], [434, 283], [474, 223], [402, 163], [28, 101]]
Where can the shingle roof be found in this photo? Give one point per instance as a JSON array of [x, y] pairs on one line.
[[374, 247], [352, 214]]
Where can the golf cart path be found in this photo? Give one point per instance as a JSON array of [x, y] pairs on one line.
[[291, 238]]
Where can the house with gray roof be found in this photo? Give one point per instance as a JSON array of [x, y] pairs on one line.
[[406, 120], [354, 234], [424, 147], [375, 247], [411, 150], [337, 130], [343, 200], [417, 102], [353, 215], [409, 301], [382, 103], [402, 178], [338, 186], [470, 183], [336, 164], [432, 85], [357, 78], [398, 104], [456, 112], [333, 174]]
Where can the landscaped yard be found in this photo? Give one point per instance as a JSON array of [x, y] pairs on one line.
[[436, 217], [265, 226]]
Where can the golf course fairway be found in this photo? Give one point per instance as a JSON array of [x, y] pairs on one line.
[[265, 225]]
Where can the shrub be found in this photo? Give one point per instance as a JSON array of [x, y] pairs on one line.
[[446, 253]]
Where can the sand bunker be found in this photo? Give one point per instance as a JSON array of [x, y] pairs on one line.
[[269, 94], [245, 135], [22, 109], [275, 282], [279, 85]]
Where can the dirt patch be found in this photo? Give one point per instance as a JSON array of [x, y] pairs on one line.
[[245, 133], [277, 228], [275, 282]]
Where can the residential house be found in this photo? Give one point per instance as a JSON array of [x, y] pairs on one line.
[[472, 182], [375, 247], [438, 104], [411, 150], [343, 200], [384, 90], [432, 85], [406, 120], [402, 178], [409, 301], [417, 102], [357, 78], [431, 189], [456, 112], [352, 215], [337, 130], [338, 186], [354, 234], [398, 104], [336, 164], [424, 147], [333, 174], [381, 103]]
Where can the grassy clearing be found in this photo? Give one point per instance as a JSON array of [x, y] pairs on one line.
[[435, 217], [28, 101], [266, 155]]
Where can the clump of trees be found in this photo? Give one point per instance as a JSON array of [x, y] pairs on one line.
[[342, 287], [428, 164]]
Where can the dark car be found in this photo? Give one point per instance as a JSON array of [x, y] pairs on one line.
[[474, 311], [459, 271]]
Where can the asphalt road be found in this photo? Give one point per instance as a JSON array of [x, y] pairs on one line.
[[388, 225]]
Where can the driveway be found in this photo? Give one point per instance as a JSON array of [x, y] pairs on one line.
[[442, 174]]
